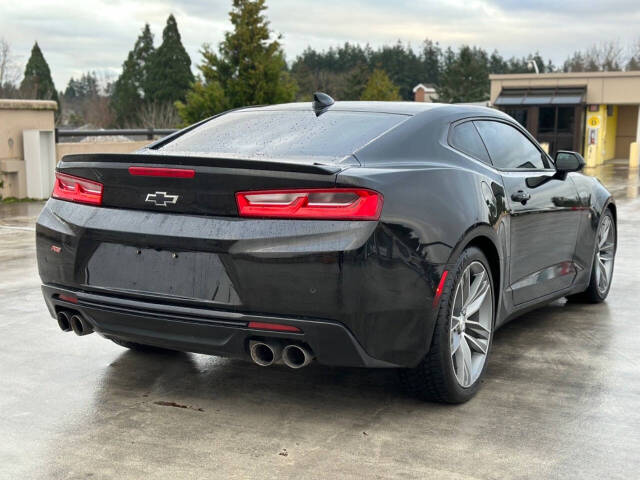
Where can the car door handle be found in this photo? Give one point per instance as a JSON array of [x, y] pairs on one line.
[[520, 196]]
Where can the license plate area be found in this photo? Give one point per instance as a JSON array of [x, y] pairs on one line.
[[185, 274]]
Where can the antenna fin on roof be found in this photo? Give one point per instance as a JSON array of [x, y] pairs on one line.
[[321, 101]]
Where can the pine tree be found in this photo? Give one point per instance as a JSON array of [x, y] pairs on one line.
[[248, 69], [465, 77], [128, 90], [356, 82], [85, 87], [37, 82], [380, 87], [431, 62], [401, 65], [169, 75]]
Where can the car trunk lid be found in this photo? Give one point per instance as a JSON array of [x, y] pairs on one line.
[[191, 184]]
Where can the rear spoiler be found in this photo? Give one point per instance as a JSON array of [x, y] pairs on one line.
[[183, 160]]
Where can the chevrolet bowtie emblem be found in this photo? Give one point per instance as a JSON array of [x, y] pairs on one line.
[[162, 199]]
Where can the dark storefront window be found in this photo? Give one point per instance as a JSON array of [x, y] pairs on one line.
[[546, 119], [553, 115], [566, 119], [557, 127], [519, 115]]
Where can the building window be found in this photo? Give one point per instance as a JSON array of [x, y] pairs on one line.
[[546, 119], [566, 119], [519, 115]]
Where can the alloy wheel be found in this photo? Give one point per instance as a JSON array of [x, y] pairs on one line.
[[605, 253], [471, 323]]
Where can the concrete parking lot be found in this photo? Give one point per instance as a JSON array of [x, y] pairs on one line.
[[561, 397]]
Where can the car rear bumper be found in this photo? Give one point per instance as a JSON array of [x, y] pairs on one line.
[[206, 331], [370, 282]]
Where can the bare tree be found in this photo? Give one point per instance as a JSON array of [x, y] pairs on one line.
[[600, 57], [158, 115], [9, 70], [610, 56], [634, 56]]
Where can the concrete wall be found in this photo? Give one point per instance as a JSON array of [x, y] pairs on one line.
[[16, 116], [63, 149]]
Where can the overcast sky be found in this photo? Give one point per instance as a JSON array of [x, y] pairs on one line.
[[77, 36]]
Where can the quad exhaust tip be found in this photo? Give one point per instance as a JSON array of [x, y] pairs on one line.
[[296, 356], [265, 353], [268, 352], [63, 321], [79, 325]]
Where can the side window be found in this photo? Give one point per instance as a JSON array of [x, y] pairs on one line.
[[465, 138], [508, 148]]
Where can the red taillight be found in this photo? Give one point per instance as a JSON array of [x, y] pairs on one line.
[[324, 204], [162, 172], [76, 189], [278, 327]]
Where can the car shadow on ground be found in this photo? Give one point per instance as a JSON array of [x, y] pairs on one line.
[[202, 381]]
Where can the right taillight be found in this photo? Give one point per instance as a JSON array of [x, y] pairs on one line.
[[321, 204], [76, 189]]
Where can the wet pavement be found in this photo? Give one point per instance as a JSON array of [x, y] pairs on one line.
[[561, 398]]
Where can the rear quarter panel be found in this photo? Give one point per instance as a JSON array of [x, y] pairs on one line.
[[432, 210]]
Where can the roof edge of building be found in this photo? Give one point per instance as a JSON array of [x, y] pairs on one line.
[[553, 75]]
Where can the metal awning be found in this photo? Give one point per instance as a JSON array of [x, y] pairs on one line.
[[541, 96]]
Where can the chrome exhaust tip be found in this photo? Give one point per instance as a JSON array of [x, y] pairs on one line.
[[80, 326], [63, 321], [296, 356], [265, 353]]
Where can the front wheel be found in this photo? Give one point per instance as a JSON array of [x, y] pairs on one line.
[[452, 370]]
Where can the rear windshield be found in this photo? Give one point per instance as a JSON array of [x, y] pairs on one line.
[[273, 134]]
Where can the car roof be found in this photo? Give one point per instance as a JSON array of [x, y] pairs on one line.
[[398, 108]]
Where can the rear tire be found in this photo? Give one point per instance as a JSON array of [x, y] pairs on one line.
[[139, 347], [603, 263], [437, 376]]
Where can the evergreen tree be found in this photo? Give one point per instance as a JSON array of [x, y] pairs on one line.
[[85, 87], [497, 64], [356, 82], [431, 63], [203, 100], [37, 82], [128, 90], [169, 74], [380, 87], [465, 77], [575, 63], [401, 64], [249, 67]]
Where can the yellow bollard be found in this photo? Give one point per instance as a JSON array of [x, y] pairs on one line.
[[633, 155]]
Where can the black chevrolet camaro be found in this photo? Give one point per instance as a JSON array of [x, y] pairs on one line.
[[367, 234]]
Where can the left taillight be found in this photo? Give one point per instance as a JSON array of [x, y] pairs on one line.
[[76, 189], [321, 204]]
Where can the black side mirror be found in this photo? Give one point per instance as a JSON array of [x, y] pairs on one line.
[[569, 161]]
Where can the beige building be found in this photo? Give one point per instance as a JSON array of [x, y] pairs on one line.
[[595, 113]]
